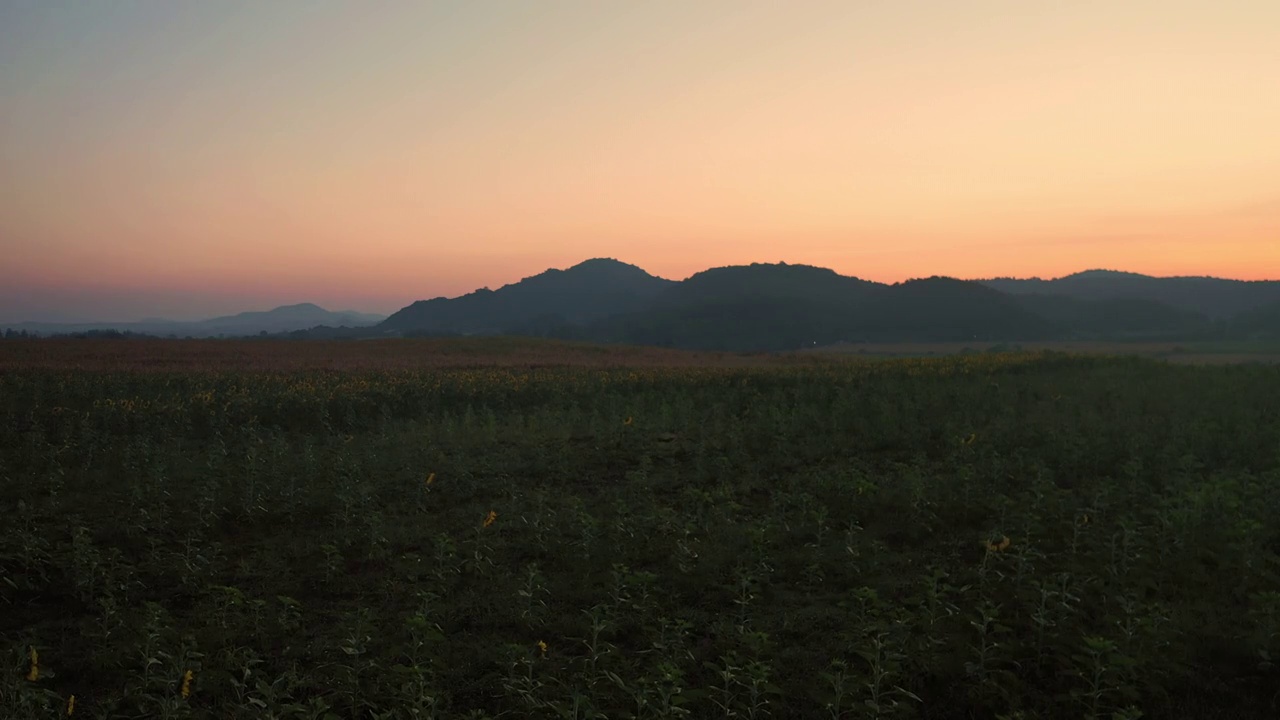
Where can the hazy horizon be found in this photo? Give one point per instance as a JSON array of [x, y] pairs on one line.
[[230, 306], [190, 160]]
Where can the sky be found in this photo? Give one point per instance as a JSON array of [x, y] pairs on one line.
[[185, 158]]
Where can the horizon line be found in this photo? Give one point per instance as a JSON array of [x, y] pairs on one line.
[[1034, 278], [913, 277]]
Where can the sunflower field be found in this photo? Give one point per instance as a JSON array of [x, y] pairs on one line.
[[986, 536]]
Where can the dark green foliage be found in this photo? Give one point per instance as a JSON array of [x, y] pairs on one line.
[[1118, 318], [1258, 324], [791, 542]]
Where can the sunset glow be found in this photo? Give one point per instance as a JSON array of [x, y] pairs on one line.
[[187, 159]]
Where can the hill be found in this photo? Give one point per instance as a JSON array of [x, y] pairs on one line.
[[1262, 323], [741, 308], [536, 305], [781, 307], [1119, 318], [942, 309], [765, 307], [778, 306], [1214, 298], [286, 318]]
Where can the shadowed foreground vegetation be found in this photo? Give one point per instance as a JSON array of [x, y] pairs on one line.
[[109, 354], [1026, 536]]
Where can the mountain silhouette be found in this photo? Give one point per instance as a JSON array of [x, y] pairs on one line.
[[947, 309], [756, 307], [768, 280], [553, 299], [1213, 298], [766, 307], [780, 306], [286, 318]]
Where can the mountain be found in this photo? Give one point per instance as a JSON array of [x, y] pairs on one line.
[[766, 307], [286, 318], [758, 307], [777, 306], [783, 307], [768, 280], [1214, 298], [947, 309], [542, 304]]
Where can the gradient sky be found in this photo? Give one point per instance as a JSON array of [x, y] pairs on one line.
[[186, 158]]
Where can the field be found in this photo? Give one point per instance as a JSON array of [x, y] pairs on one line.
[[484, 529], [346, 355], [1192, 353]]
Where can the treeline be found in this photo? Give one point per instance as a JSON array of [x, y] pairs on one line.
[[11, 334]]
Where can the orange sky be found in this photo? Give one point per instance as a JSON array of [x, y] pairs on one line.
[[186, 160]]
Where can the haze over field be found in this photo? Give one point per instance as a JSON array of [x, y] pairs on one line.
[[190, 160]]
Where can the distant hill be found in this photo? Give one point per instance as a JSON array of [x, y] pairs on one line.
[[781, 307], [536, 305], [1121, 318], [947, 309], [769, 307], [1213, 298], [747, 308], [283, 319], [1262, 323], [768, 280], [764, 307], [286, 318]]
